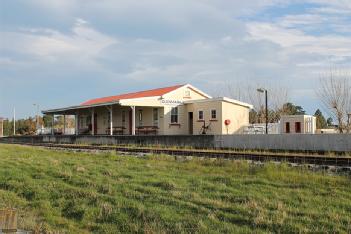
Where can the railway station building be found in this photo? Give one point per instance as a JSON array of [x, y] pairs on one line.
[[175, 110]]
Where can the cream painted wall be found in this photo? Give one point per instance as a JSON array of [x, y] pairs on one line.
[[83, 114], [182, 126], [117, 113], [147, 118], [297, 118], [180, 94], [238, 116], [165, 105], [103, 118], [206, 107], [148, 101], [178, 128]]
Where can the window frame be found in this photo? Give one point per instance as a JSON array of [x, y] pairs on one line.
[[187, 93], [82, 122], [174, 115], [198, 115], [215, 112], [140, 117], [155, 114]]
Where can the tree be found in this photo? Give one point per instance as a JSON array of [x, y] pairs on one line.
[[47, 120], [335, 94], [23, 127], [277, 96], [291, 109], [320, 120], [286, 109], [330, 121], [253, 116]]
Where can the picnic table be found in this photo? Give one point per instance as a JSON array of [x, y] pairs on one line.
[[84, 131], [145, 130], [116, 130]]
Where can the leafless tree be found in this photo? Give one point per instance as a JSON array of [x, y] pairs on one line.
[[277, 97], [335, 94]]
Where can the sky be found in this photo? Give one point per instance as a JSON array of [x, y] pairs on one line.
[[58, 53]]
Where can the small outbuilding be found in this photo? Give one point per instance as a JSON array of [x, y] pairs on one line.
[[300, 124], [175, 110]]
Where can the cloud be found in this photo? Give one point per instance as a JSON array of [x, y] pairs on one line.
[[82, 40], [106, 47], [299, 42]]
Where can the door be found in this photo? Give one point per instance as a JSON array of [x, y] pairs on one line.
[[287, 127], [298, 127], [155, 117], [191, 122], [95, 124], [130, 121]]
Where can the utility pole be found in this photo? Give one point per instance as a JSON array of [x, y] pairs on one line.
[[37, 118], [14, 121], [261, 90]]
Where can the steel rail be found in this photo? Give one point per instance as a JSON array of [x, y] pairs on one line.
[[338, 161]]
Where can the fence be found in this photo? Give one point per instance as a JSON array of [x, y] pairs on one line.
[[289, 142], [48, 131], [273, 128]]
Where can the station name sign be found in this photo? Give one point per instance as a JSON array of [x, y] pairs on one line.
[[171, 102]]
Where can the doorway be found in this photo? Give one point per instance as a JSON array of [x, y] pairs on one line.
[[95, 124], [191, 122], [287, 127], [130, 121]]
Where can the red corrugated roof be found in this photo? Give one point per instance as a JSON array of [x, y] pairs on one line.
[[141, 94]]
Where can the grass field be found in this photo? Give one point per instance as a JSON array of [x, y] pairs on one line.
[[106, 193]]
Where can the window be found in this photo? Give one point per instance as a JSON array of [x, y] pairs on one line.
[[187, 93], [88, 120], [213, 114], [155, 116], [298, 127], [287, 127], [174, 115], [201, 115], [81, 122], [140, 117]]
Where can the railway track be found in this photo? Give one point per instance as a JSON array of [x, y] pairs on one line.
[[321, 160]]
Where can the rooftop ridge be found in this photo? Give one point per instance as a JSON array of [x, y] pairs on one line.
[[138, 94]]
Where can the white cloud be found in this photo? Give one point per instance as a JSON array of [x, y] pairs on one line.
[[298, 20], [153, 43], [299, 42], [48, 43]]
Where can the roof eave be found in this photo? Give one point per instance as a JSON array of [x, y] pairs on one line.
[[70, 108], [224, 99]]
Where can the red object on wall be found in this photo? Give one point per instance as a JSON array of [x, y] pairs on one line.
[[227, 122]]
